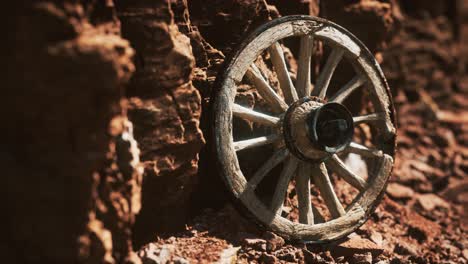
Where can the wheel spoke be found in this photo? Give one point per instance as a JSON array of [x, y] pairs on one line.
[[363, 150], [368, 118], [282, 186], [255, 142], [323, 183], [347, 89], [251, 115], [265, 90], [325, 76], [303, 194], [338, 166], [303, 73], [277, 58], [278, 157]]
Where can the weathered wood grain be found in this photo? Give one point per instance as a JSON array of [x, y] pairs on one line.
[[303, 194], [303, 71], [254, 116], [347, 89], [326, 74], [286, 84], [278, 157], [338, 166], [323, 183], [265, 90], [282, 186], [369, 118], [255, 142], [363, 150]]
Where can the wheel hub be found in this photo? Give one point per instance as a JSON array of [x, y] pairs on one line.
[[315, 130]]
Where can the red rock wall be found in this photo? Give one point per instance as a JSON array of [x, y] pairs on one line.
[[179, 49], [67, 156], [165, 108]]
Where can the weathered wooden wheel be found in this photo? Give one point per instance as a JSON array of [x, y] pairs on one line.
[[307, 132]]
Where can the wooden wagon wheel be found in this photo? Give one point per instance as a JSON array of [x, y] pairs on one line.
[[309, 130]]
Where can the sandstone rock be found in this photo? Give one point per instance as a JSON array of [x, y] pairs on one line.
[[377, 238], [165, 108], [365, 258], [465, 254], [456, 190], [273, 241], [379, 15], [256, 243], [357, 245], [404, 248], [76, 198], [430, 201], [238, 16], [399, 191], [268, 259], [421, 228], [228, 255], [152, 254], [287, 255]]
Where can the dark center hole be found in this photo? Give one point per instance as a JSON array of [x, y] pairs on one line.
[[333, 126], [332, 133]]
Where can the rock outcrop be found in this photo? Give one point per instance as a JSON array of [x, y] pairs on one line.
[[165, 109], [67, 155]]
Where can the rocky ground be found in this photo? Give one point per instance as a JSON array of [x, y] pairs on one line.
[[422, 219]]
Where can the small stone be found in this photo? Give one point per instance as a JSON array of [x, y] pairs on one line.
[[357, 245], [361, 258], [268, 258], [465, 253], [404, 248], [327, 256], [287, 254], [419, 260], [431, 201], [421, 228], [274, 242], [153, 254], [255, 243], [299, 255], [289, 257], [451, 249], [377, 238], [310, 257], [398, 191], [229, 255], [462, 198]]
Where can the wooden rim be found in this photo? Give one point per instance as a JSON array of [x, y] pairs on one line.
[[344, 45]]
